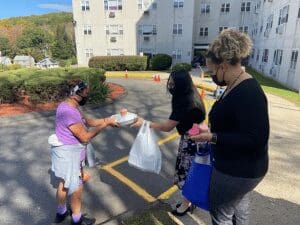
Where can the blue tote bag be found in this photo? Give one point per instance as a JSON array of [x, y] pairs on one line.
[[196, 186]]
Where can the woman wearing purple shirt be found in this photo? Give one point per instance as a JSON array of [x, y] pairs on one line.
[[67, 157]]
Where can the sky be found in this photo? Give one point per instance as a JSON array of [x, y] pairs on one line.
[[13, 8]]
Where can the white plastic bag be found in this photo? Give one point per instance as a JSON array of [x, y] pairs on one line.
[[145, 153]]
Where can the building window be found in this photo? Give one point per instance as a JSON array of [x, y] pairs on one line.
[[222, 28], [85, 5], [113, 4], [244, 29], [246, 6], [114, 29], [299, 13], [205, 8], [253, 54], [178, 3], [177, 28], [177, 54], [283, 15], [89, 53], [225, 7], [114, 51], [294, 59], [87, 29], [269, 22], [265, 55], [257, 56], [145, 4], [148, 51], [277, 59], [147, 29], [203, 31]]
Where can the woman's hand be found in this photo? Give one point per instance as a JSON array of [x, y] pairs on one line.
[[205, 136], [138, 123], [110, 121]]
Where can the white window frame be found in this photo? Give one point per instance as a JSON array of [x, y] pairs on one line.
[[245, 6], [85, 5], [114, 51], [225, 7], [283, 15], [244, 29], [177, 29], [177, 54], [205, 8], [265, 56], [87, 29], [145, 4], [89, 52], [109, 28], [277, 59], [203, 31], [142, 28], [178, 3], [222, 28], [294, 59], [111, 6]]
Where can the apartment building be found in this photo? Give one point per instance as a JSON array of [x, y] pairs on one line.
[[183, 28], [276, 37]]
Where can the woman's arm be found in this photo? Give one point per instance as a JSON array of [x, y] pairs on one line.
[[166, 126], [85, 136]]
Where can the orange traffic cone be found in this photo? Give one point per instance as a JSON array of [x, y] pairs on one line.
[[154, 78], [158, 78]]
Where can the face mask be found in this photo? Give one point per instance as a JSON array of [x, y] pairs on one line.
[[216, 81], [83, 100]]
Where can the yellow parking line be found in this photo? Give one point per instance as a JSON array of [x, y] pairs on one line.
[[160, 142], [115, 163], [168, 192], [136, 188]]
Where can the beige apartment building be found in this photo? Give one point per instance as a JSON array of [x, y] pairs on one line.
[[183, 28]]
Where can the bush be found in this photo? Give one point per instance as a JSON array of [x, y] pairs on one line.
[[119, 63], [50, 85], [182, 66], [9, 67], [161, 62]]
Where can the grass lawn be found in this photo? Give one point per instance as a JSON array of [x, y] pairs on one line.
[[273, 87], [156, 215]]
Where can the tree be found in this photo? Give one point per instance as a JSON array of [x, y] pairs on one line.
[[63, 47], [35, 42], [4, 46]]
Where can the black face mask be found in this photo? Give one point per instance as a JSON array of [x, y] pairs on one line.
[[83, 100], [217, 82]]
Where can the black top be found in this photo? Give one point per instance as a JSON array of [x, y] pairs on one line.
[[186, 121], [241, 123]]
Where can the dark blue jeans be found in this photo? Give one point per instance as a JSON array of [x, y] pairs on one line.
[[229, 198]]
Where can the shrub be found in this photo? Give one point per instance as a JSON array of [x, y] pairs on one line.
[[182, 66], [119, 63], [161, 62], [49, 85]]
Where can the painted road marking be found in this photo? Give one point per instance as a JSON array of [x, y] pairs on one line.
[[135, 187]]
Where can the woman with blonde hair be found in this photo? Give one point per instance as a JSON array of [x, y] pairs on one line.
[[239, 130]]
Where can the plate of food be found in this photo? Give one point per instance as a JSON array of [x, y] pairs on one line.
[[125, 118]]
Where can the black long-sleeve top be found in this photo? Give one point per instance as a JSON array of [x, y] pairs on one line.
[[241, 123]]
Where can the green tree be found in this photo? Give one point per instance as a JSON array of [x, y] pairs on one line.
[[63, 47], [4, 46], [34, 41]]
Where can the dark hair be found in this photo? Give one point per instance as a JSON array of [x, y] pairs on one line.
[[76, 86], [184, 94]]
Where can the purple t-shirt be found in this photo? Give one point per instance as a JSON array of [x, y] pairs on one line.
[[66, 116]]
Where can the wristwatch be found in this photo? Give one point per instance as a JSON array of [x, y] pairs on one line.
[[214, 139]]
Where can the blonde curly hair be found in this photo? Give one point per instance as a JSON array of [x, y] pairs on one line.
[[231, 46]]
